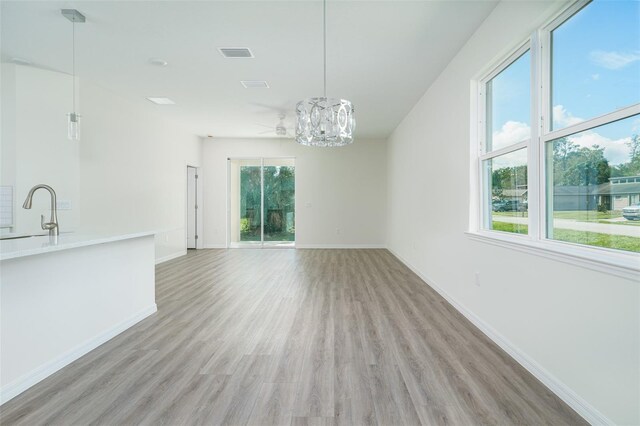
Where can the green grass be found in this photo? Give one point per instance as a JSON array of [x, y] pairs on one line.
[[581, 215], [619, 242], [510, 227], [587, 216], [511, 214], [254, 235]]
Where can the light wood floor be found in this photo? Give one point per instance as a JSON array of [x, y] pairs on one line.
[[293, 337]]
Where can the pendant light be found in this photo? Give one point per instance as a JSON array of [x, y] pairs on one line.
[[73, 118], [323, 121]]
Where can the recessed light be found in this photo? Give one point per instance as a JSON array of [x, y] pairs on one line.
[[235, 52], [158, 62], [161, 101], [254, 84]]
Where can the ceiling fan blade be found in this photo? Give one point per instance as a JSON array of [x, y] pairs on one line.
[[269, 107]]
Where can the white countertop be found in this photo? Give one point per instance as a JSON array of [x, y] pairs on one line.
[[20, 247]]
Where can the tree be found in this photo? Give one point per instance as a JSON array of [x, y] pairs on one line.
[[562, 150], [508, 178], [579, 166], [279, 197], [632, 168], [634, 147]]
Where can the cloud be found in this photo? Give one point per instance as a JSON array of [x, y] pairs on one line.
[[510, 133], [512, 159], [615, 151], [613, 60], [563, 118], [595, 76]]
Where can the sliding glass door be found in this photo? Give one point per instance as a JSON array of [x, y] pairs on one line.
[[279, 200], [261, 202]]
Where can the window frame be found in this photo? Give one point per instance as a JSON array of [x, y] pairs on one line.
[[613, 261], [482, 154]]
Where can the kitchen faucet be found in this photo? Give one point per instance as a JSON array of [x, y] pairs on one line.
[[52, 225]]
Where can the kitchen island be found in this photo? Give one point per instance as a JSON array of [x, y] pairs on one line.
[[61, 297]]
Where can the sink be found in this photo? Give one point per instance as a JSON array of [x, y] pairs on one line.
[[16, 237]]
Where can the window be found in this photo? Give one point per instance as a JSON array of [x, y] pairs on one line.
[[560, 165], [584, 205], [507, 134], [595, 62]]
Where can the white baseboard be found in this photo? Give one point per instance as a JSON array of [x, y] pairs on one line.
[[564, 392], [215, 246], [340, 246], [23, 383], [313, 246], [171, 256]]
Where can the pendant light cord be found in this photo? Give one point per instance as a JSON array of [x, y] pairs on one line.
[[324, 32], [73, 61]]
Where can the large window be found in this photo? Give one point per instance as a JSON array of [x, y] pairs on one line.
[[568, 173], [507, 134]]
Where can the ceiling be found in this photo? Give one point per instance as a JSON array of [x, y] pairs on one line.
[[381, 55]]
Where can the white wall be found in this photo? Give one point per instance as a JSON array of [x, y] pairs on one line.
[[339, 188], [126, 174], [34, 145], [582, 327], [133, 169]]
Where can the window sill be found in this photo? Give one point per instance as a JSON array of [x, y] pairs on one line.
[[621, 264]]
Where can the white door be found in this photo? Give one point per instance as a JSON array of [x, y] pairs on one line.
[[192, 207]]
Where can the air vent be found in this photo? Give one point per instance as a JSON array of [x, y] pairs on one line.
[[235, 52], [254, 84]]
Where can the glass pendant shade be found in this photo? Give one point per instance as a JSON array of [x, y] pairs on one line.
[[73, 118], [73, 126], [324, 122]]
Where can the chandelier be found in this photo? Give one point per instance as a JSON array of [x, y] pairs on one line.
[[324, 121]]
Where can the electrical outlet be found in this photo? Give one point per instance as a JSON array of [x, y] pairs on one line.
[[63, 204], [338, 231], [477, 278]]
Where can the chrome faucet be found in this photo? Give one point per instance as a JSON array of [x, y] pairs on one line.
[[52, 225]]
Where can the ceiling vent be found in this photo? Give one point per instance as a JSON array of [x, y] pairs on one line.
[[254, 84], [235, 52]]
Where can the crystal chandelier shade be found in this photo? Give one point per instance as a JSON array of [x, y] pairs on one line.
[[322, 121]]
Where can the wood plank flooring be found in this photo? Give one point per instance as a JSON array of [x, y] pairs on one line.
[[293, 337]]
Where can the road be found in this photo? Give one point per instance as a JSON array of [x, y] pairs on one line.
[[602, 228]]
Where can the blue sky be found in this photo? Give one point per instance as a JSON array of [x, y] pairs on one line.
[[596, 70]]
